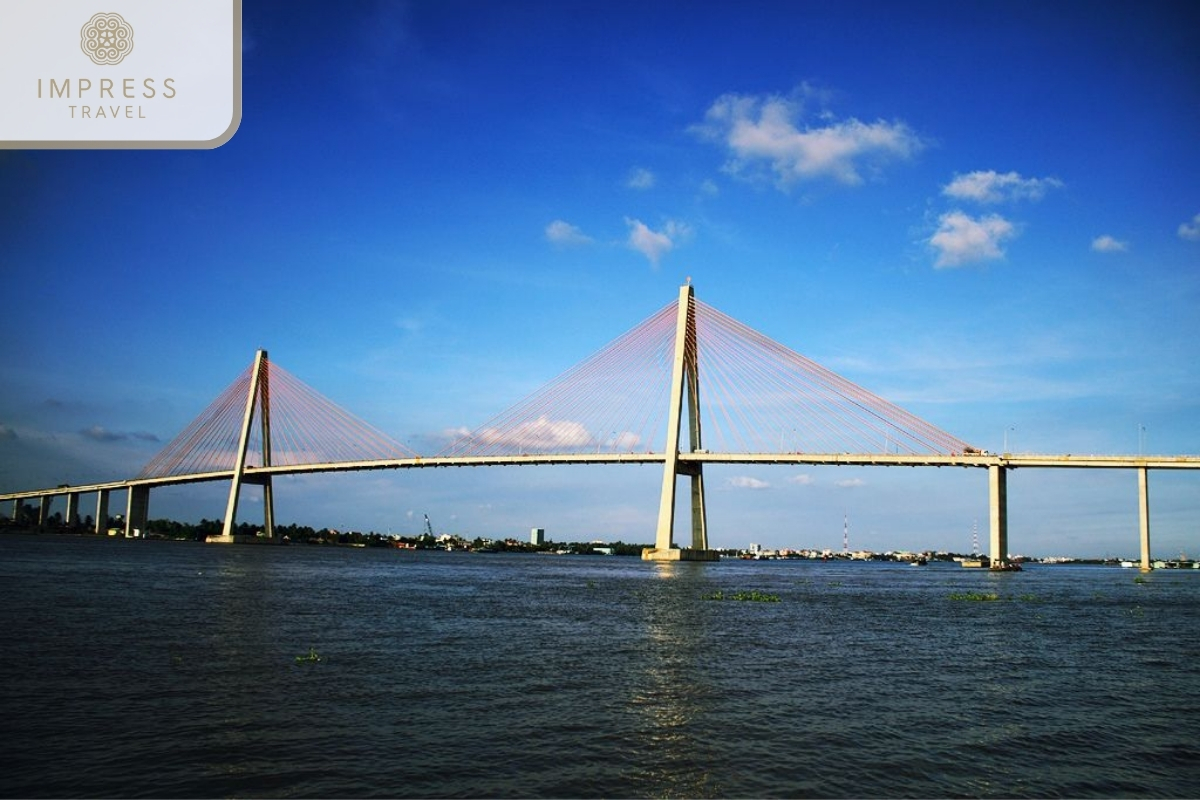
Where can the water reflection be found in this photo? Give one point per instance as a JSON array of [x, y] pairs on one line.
[[672, 694]]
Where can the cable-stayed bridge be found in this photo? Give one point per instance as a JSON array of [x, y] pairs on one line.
[[688, 386]]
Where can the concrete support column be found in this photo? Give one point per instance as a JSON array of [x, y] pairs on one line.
[[44, 509], [72, 509], [268, 509], [1144, 515], [102, 511], [692, 375], [264, 392], [998, 503], [699, 515], [137, 509]]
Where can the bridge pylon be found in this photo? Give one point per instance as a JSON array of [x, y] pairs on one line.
[[685, 382], [259, 396]]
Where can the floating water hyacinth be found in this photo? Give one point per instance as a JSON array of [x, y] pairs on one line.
[[975, 597], [753, 596]]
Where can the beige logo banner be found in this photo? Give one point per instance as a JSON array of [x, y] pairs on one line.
[[78, 74]]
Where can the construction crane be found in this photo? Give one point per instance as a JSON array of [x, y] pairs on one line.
[[428, 527]]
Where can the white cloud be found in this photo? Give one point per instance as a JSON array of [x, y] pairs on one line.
[[851, 483], [98, 433], [626, 440], [767, 131], [992, 187], [802, 480], [1108, 244], [542, 433], [655, 244], [961, 239], [1190, 230], [746, 482], [640, 178], [564, 233]]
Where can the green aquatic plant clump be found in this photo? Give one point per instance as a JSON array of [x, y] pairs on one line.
[[988, 597], [975, 597], [752, 596], [311, 658]]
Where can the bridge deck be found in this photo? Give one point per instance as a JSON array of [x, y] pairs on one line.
[[1009, 461]]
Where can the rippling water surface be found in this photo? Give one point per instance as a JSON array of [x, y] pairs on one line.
[[141, 668]]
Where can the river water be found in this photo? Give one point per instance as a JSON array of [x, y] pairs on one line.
[[163, 669]]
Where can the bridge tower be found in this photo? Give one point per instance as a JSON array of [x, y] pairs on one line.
[[685, 381], [258, 397]]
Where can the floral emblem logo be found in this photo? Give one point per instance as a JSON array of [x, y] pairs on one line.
[[106, 38]]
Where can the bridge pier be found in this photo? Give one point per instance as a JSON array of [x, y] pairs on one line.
[[101, 521], [137, 510], [1144, 515], [72, 512], [44, 509], [998, 514]]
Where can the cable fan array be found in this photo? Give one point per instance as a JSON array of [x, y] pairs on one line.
[[614, 402], [305, 428], [755, 396]]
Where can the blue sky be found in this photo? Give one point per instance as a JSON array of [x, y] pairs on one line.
[[987, 213]]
